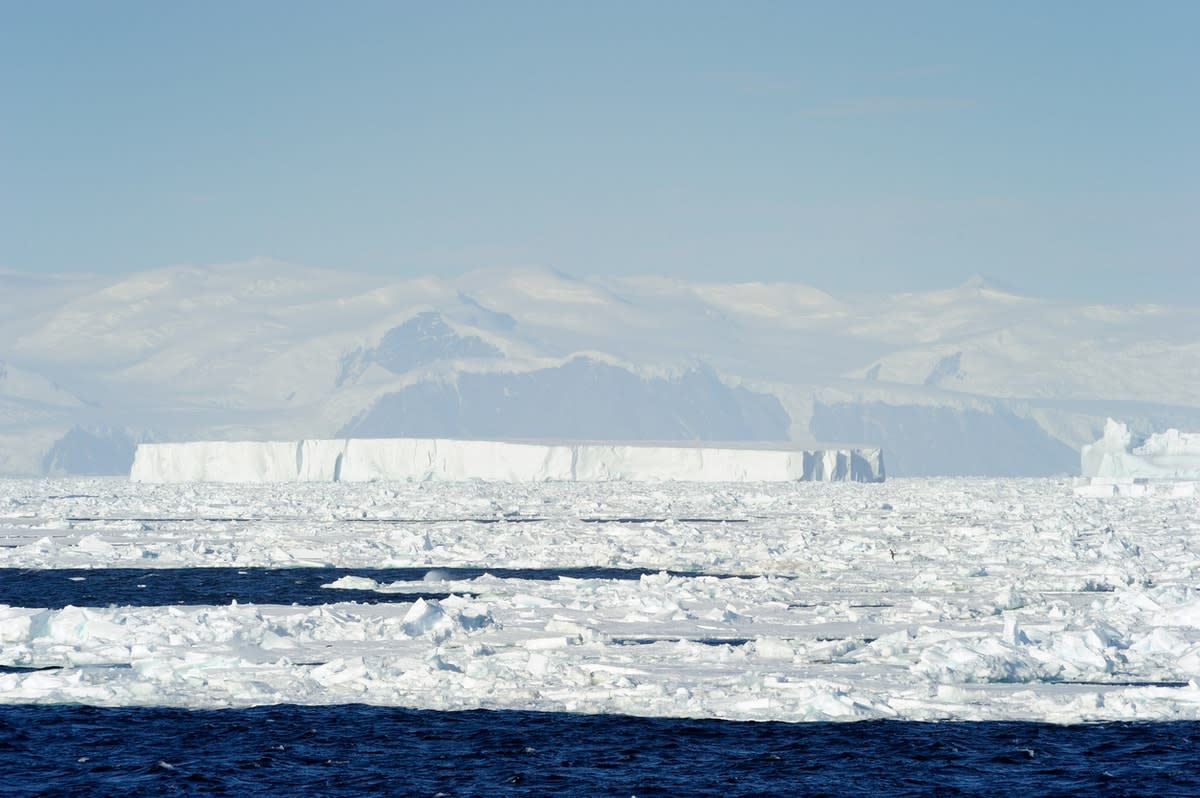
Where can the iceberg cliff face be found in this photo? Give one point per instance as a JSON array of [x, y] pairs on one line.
[[420, 459], [1165, 455]]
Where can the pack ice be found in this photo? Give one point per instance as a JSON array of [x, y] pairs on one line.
[[1116, 464], [949, 599], [442, 459]]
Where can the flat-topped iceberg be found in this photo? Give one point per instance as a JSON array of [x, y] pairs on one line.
[[422, 459]]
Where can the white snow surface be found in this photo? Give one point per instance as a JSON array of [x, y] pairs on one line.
[[370, 460], [914, 599], [1167, 455]]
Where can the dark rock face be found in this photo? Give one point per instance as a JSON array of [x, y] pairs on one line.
[[482, 316], [947, 367], [105, 452], [419, 341], [423, 339], [427, 338], [924, 441], [579, 400]]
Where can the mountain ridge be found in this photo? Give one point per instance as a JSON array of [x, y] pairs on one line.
[[269, 350]]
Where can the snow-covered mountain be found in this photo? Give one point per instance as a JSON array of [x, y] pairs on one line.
[[970, 380]]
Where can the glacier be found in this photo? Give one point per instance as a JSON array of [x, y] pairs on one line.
[[446, 459]]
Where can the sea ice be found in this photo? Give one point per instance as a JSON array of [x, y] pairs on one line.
[[963, 599]]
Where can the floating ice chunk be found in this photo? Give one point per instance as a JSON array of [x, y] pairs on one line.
[[427, 618], [16, 623], [830, 702], [1083, 652], [1108, 635], [1159, 641], [421, 615], [1189, 661], [982, 660], [340, 671], [74, 625], [773, 648], [1187, 614], [1013, 635], [473, 617], [1009, 599], [272, 640], [577, 631], [353, 583], [527, 600], [1095, 489], [92, 544], [546, 643]]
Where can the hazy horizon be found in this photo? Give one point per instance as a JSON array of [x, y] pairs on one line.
[[383, 278]]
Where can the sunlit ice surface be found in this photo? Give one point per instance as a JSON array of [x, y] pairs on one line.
[[932, 599]]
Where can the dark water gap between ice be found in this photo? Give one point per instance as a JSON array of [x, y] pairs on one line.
[[55, 588], [356, 750]]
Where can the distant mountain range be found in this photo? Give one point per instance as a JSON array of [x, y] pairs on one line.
[[971, 380]]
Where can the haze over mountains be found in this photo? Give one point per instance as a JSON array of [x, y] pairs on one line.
[[970, 380]]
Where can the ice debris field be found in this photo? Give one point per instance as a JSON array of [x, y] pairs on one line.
[[911, 599]]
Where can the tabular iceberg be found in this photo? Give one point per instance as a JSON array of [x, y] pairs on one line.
[[1116, 465], [421, 459]]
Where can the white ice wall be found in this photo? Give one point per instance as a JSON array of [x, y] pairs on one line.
[[370, 459], [1166, 455], [218, 461]]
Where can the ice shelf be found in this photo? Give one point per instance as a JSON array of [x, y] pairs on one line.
[[442, 459]]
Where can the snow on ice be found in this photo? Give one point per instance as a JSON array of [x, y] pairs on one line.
[[364, 460], [917, 599]]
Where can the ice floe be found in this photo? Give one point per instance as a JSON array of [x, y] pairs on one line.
[[916, 599]]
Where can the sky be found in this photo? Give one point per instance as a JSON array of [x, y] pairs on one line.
[[1050, 147]]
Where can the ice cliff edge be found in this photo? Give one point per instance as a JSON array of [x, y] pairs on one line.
[[420, 459], [1163, 455]]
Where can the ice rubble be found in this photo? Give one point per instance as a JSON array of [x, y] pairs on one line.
[[914, 599], [565, 647], [435, 459], [1166, 462]]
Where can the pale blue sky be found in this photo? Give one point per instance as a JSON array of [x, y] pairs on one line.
[[1050, 146]]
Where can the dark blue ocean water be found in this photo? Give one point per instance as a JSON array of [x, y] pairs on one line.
[[151, 587], [364, 751], [360, 750]]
